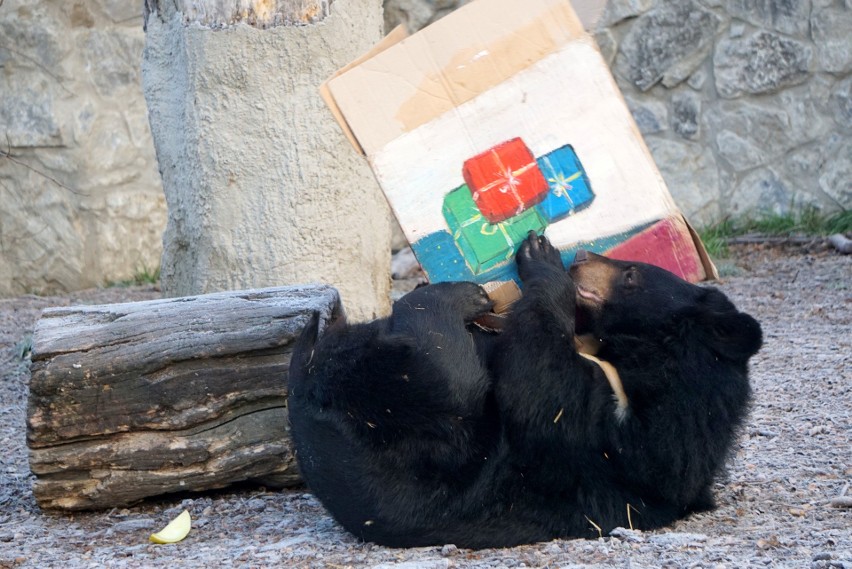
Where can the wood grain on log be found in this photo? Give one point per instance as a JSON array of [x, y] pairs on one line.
[[133, 400]]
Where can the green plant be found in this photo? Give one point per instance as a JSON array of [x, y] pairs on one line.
[[715, 237], [24, 347], [808, 221], [142, 276], [840, 222], [146, 276]]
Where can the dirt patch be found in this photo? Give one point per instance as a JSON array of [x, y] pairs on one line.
[[775, 507]]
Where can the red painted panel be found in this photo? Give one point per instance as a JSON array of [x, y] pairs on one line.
[[667, 244]]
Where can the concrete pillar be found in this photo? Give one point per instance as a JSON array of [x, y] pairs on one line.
[[262, 187]]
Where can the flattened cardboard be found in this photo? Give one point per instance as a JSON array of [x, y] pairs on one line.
[[492, 71], [447, 64], [395, 36]]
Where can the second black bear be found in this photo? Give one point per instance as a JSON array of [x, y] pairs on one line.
[[418, 429]]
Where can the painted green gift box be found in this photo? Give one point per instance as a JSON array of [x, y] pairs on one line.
[[486, 245]]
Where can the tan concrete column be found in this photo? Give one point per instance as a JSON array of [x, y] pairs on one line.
[[262, 187]]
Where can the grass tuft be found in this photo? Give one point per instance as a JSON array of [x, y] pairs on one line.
[[142, 276], [808, 221], [24, 348]]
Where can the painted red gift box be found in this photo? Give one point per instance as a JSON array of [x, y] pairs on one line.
[[505, 180]]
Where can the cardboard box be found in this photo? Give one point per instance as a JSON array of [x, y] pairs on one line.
[[496, 98]]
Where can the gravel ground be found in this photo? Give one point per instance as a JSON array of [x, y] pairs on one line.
[[784, 502]]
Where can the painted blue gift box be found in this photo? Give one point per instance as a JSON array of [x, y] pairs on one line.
[[570, 190]]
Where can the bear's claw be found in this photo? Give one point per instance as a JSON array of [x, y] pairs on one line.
[[536, 253]]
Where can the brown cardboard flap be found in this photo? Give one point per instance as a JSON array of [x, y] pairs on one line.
[[710, 270], [395, 36], [503, 294], [422, 107], [436, 70]]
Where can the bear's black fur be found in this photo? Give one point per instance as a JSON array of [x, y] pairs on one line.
[[419, 429]]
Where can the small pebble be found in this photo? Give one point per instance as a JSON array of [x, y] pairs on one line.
[[137, 524], [449, 549]]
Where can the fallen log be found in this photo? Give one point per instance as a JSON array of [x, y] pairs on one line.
[[134, 400]]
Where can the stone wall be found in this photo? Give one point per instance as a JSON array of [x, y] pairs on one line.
[[81, 202], [746, 105]]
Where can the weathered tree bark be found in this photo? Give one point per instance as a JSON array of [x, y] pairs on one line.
[[258, 13], [138, 399], [262, 187]]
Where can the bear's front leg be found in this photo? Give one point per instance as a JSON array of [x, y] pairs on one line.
[[432, 321], [547, 393], [548, 303]]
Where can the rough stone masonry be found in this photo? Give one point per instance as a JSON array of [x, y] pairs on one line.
[[81, 202], [745, 104]]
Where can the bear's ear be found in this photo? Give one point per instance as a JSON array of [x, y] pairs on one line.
[[731, 334]]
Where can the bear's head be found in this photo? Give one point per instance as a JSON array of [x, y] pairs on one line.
[[632, 299]]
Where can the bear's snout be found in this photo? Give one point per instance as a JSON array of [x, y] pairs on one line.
[[594, 276]]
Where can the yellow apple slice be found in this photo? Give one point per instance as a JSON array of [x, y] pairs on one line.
[[176, 530]]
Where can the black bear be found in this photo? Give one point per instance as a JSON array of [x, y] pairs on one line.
[[420, 429]]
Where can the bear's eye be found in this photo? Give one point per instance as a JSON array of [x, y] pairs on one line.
[[631, 277]]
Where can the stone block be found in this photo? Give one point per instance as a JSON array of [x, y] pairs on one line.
[[62, 161], [667, 44], [81, 17], [841, 104], [763, 62], [617, 11], [71, 104], [763, 191], [651, 115], [831, 27], [115, 149], [786, 16], [802, 165], [807, 107], [607, 44], [37, 35], [414, 14], [779, 127], [113, 58], [749, 134], [697, 79], [35, 222], [836, 173], [737, 30], [692, 176], [122, 11], [28, 114], [124, 224], [820, 169], [739, 152], [686, 114]]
